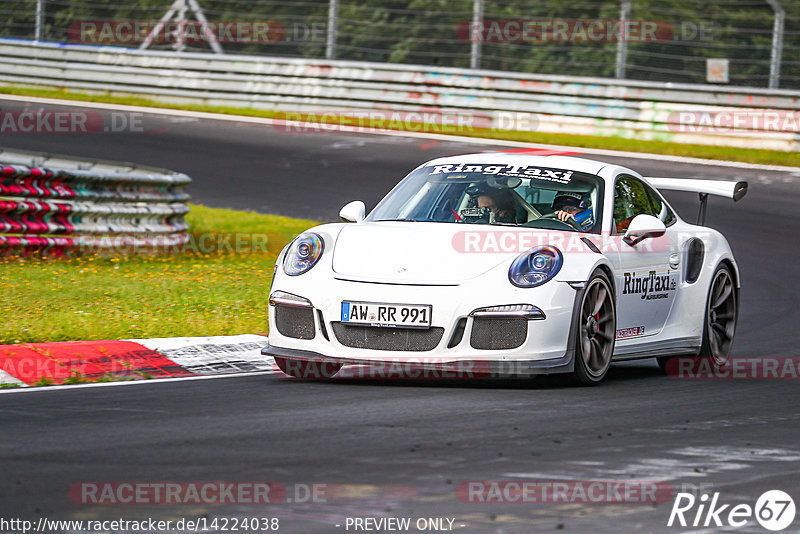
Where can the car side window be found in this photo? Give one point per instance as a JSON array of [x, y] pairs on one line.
[[631, 199], [664, 212]]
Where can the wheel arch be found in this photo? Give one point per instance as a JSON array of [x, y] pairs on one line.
[[609, 272], [580, 267], [728, 262], [734, 269]]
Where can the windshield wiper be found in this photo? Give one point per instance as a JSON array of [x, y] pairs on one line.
[[395, 220]]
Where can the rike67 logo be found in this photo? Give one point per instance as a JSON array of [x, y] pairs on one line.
[[774, 510]]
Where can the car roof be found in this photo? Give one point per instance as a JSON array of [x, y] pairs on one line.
[[552, 162]]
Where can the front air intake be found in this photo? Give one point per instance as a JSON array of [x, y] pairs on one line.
[[295, 322], [376, 338], [498, 333]]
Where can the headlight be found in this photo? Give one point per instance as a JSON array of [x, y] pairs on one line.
[[303, 253], [533, 269]]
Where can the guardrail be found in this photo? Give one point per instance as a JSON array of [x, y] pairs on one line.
[[701, 114], [55, 204]]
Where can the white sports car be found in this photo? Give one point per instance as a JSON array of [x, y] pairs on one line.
[[516, 263]]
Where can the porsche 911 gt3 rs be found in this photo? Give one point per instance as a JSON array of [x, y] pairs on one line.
[[541, 264]]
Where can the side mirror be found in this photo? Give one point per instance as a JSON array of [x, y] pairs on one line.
[[643, 227], [355, 212]]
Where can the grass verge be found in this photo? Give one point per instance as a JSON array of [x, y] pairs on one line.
[[199, 292], [766, 157]]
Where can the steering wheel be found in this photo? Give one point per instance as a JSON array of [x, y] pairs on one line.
[[571, 222]]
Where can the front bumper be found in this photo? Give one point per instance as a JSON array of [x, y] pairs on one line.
[[438, 367], [545, 348]]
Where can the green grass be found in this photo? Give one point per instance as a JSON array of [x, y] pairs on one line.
[[90, 297], [44, 381], [769, 157]]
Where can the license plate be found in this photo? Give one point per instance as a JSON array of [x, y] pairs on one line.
[[387, 315]]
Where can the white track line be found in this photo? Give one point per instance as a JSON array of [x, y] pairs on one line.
[[37, 389], [204, 357], [396, 133]]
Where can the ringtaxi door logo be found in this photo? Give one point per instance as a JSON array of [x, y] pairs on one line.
[[774, 510]]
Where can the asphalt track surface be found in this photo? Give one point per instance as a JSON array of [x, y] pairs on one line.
[[402, 448]]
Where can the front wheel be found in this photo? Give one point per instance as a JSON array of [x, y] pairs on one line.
[[307, 369], [595, 335]]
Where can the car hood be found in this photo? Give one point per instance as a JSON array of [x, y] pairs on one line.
[[408, 253]]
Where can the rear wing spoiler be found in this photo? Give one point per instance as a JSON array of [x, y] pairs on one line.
[[733, 190]]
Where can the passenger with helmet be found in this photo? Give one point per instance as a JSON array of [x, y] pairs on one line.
[[499, 203]]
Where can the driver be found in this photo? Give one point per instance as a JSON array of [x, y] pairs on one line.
[[501, 205], [572, 205]]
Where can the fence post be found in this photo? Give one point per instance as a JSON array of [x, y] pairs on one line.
[[39, 21], [476, 43], [207, 32], [622, 44], [777, 44], [333, 19]]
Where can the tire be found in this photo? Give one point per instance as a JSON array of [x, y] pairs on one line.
[[722, 312], [719, 323], [309, 370], [595, 332]]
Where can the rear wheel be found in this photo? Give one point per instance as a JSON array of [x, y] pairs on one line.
[[595, 335], [307, 369], [719, 324], [721, 314]]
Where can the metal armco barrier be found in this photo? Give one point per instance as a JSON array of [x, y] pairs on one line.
[[53, 202], [700, 114]]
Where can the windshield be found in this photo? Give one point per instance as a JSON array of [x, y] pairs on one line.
[[513, 195]]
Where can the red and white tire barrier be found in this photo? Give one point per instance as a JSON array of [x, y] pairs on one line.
[[57, 204], [73, 361]]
